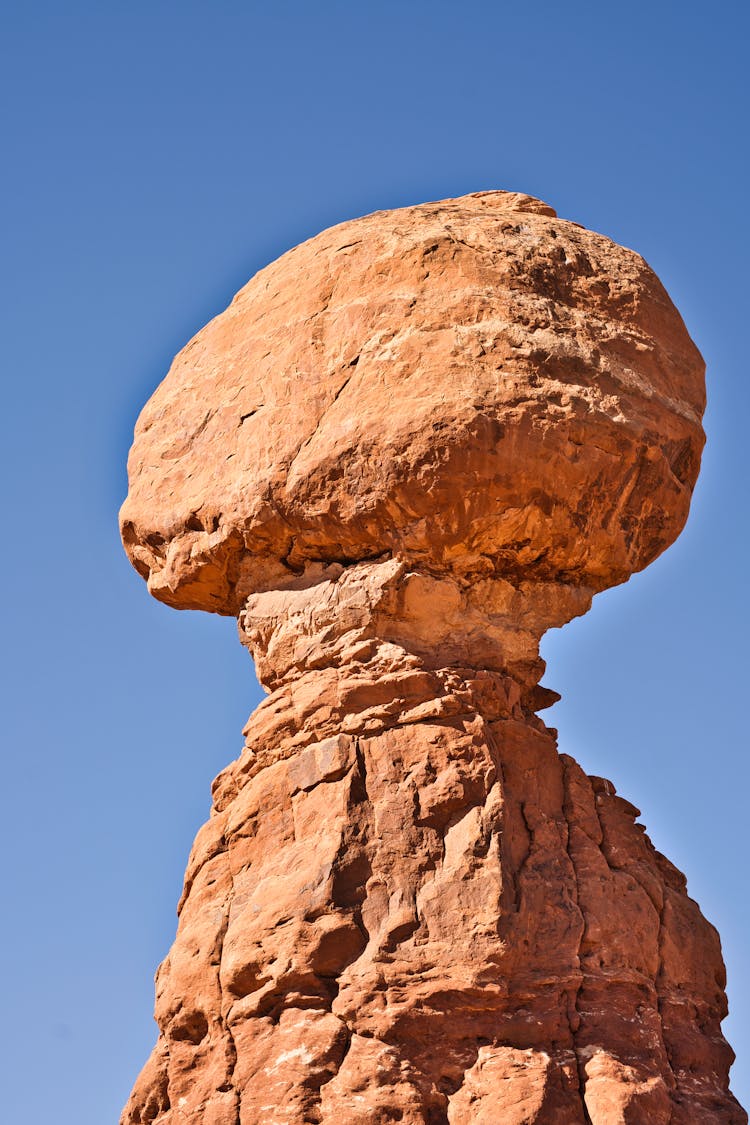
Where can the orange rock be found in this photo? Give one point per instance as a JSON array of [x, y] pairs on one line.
[[408, 448]]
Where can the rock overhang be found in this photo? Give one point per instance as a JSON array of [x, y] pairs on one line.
[[474, 386]]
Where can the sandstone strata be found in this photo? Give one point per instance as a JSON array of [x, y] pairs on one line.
[[408, 448]]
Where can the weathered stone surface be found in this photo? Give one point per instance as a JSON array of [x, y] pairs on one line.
[[475, 385], [408, 448]]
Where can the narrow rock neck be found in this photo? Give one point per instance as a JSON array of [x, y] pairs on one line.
[[383, 614], [359, 650]]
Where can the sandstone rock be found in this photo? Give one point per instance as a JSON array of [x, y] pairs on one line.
[[475, 385], [408, 448]]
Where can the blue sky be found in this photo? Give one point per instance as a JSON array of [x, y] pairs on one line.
[[157, 154]]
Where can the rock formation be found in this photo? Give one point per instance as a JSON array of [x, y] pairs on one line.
[[407, 448]]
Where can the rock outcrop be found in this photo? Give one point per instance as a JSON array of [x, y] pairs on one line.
[[408, 448]]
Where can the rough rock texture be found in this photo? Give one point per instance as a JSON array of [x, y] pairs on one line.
[[474, 385], [408, 448]]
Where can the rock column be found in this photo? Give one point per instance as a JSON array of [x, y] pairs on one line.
[[407, 906], [407, 448]]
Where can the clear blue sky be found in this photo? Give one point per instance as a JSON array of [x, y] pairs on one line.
[[155, 155]]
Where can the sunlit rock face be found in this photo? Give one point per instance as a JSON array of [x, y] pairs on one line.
[[409, 447]]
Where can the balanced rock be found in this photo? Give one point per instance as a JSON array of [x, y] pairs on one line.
[[409, 447]]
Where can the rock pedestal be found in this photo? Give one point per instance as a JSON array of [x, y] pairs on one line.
[[407, 905]]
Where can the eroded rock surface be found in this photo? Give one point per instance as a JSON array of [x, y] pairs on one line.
[[408, 448], [475, 385]]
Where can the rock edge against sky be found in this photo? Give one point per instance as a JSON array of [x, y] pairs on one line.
[[408, 448]]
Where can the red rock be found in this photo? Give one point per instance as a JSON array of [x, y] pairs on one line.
[[408, 448]]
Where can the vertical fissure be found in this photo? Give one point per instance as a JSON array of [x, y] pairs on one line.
[[575, 1031]]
